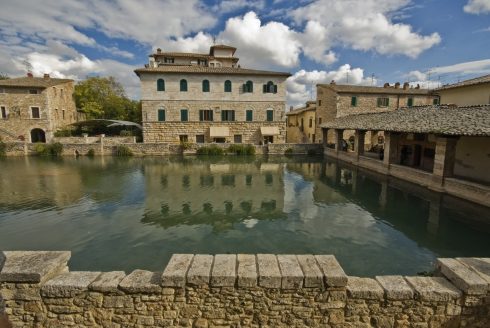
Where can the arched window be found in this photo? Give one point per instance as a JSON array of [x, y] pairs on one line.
[[160, 85], [205, 86], [248, 87], [227, 86], [183, 85], [270, 87]]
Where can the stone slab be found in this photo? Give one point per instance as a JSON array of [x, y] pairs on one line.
[[479, 265], [395, 287], [175, 273], [313, 274], [200, 270], [269, 273], [437, 289], [33, 266], [108, 282], [333, 273], [292, 275], [364, 288], [69, 284], [462, 276], [141, 281], [224, 270], [246, 271]]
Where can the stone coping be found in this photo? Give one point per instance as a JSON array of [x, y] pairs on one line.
[[469, 276]]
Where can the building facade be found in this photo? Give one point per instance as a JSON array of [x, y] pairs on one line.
[[466, 93], [33, 108], [203, 98], [301, 124]]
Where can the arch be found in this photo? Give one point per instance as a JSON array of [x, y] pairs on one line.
[[38, 135], [160, 85], [183, 85], [205, 86], [227, 86], [249, 86]]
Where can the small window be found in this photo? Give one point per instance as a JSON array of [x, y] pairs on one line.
[[227, 86], [205, 86], [161, 115], [200, 139], [183, 85], [248, 87], [160, 85], [184, 115], [383, 102], [319, 120], [33, 92], [353, 101], [227, 115], [3, 112], [63, 113], [270, 115], [183, 138], [410, 102], [35, 112], [435, 101], [319, 102], [249, 115], [237, 138], [313, 138], [311, 122], [205, 115]]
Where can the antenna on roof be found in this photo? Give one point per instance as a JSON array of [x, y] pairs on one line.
[[214, 40], [372, 79], [347, 73], [28, 65]]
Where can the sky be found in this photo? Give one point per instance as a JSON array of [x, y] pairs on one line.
[[370, 42]]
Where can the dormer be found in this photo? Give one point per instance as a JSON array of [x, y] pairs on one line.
[[221, 50]]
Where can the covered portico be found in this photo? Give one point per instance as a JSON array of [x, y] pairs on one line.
[[446, 149]]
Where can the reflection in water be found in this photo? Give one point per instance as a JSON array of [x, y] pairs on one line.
[[134, 213]]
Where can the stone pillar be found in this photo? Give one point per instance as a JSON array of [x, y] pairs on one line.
[[339, 135], [443, 161], [391, 148], [359, 142], [325, 137], [102, 136]]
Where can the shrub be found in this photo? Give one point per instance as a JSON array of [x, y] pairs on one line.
[[63, 133], [125, 133], [91, 152], [288, 152], [241, 149], [185, 145], [211, 150], [54, 149], [123, 151]]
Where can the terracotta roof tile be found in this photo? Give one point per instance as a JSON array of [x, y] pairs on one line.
[[373, 90], [32, 82], [195, 69]]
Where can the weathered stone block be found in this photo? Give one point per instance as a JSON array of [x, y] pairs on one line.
[[108, 282], [480, 265], [364, 288], [433, 289], [141, 281], [2, 260], [269, 273], [174, 274], [224, 270], [313, 276], [462, 276], [292, 276], [200, 270], [69, 284], [247, 270], [33, 267], [395, 287], [333, 273]]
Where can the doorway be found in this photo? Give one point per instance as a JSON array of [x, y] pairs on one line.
[[38, 135]]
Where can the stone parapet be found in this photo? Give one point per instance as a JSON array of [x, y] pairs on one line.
[[240, 290]]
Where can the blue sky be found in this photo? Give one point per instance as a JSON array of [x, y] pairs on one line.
[[427, 42]]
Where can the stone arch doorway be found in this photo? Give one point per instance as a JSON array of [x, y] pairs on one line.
[[38, 135]]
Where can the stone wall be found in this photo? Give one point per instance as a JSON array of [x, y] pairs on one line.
[[93, 140], [38, 290], [280, 149]]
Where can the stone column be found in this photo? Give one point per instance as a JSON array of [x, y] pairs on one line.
[[339, 134], [325, 137], [359, 142], [391, 148], [443, 161]]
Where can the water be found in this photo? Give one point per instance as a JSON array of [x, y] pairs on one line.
[[123, 214]]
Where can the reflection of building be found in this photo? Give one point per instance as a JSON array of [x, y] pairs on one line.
[[203, 98], [301, 124], [466, 93], [33, 108]]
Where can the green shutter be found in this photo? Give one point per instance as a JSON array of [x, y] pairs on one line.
[[264, 88], [387, 102], [184, 117], [160, 85], [227, 86], [379, 102], [275, 88], [435, 101], [222, 115], [161, 115], [270, 115], [410, 102], [353, 101], [183, 85], [211, 115], [249, 116], [201, 115], [205, 86]]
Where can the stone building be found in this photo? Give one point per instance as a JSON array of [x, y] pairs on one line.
[[301, 124], [466, 93], [202, 98], [33, 108], [334, 100]]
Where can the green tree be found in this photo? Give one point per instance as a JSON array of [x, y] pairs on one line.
[[104, 97], [4, 76]]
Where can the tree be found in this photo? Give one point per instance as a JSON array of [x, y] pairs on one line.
[[4, 76], [104, 97]]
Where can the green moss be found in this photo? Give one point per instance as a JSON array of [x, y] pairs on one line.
[[123, 151], [54, 149]]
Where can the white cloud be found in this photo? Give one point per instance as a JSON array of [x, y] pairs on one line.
[[417, 75], [477, 7], [471, 67]]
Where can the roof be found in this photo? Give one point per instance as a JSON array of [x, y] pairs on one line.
[[301, 109], [478, 80], [181, 54], [445, 120], [32, 82], [107, 122], [347, 88], [196, 69]]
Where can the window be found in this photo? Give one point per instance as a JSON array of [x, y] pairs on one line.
[[313, 137], [183, 138], [435, 101], [33, 92], [205, 86], [311, 122], [249, 115], [3, 112], [319, 120], [248, 87], [205, 115], [319, 102], [161, 115], [35, 113], [200, 139], [270, 115], [168, 60], [184, 115], [353, 101], [227, 115], [237, 138], [160, 85], [269, 87], [410, 102], [202, 62], [183, 85], [227, 86], [383, 102], [63, 113]]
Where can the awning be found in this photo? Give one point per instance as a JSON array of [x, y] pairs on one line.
[[269, 130], [219, 131]]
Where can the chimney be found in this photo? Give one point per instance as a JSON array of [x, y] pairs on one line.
[[333, 82], [418, 86], [386, 85], [159, 50], [29, 74], [406, 85], [290, 108], [46, 76], [397, 85]]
